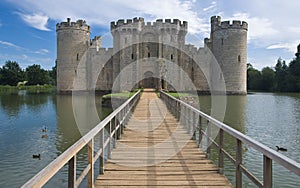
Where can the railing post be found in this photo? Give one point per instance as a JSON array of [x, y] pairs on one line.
[[110, 142], [178, 109], [72, 172], [221, 159], [91, 163], [238, 172], [101, 158], [193, 125], [190, 120], [118, 121], [122, 118], [186, 121], [200, 130], [267, 172], [114, 122], [208, 139]]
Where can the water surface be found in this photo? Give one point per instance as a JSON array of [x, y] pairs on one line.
[[273, 119]]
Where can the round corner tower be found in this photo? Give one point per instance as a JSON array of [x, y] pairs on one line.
[[73, 39], [229, 45]]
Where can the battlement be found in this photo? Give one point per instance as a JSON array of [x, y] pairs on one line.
[[79, 24], [216, 24], [105, 51], [130, 22], [190, 48], [136, 22]]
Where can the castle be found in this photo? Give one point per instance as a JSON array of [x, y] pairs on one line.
[[154, 55]]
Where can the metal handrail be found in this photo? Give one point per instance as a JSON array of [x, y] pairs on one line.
[[114, 123], [180, 108]]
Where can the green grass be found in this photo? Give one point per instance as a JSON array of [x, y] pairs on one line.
[[29, 89], [178, 95], [123, 95]]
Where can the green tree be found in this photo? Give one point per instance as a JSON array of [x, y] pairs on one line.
[[281, 72], [52, 74], [36, 75], [11, 73], [268, 77], [294, 74], [253, 78]]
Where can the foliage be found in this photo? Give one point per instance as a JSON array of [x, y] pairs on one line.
[[283, 78], [118, 95], [11, 73], [267, 79], [253, 79], [36, 75], [29, 89], [178, 95], [52, 74]]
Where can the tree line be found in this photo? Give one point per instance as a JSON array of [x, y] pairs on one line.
[[281, 78], [12, 74]]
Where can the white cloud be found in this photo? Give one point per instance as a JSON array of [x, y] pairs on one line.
[[42, 51], [26, 60], [211, 7], [291, 47], [6, 44], [293, 29], [272, 23], [9, 44], [36, 21], [102, 13], [258, 27]]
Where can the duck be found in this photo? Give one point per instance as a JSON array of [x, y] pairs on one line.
[[44, 129], [44, 136], [281, 148], [38, 156]]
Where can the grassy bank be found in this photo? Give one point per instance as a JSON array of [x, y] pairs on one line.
[[29, 89], [178, 95], [123, 95]]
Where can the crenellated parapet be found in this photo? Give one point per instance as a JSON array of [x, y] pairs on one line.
[[216, 24], [78, 25], [139, 23], [129, 23]]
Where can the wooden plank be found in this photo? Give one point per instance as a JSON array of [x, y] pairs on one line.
[[188, 167]]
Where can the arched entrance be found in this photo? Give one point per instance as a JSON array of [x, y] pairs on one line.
[[149, 81]]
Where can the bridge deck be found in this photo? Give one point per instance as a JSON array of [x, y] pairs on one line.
[[156, 151]]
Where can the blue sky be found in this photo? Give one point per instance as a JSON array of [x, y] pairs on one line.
[[27, 27]]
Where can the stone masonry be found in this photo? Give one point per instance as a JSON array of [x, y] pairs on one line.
[[151, 55]]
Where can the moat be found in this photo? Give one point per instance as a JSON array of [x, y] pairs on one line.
[[270, 118]]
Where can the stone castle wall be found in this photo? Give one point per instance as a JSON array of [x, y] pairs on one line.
[[142, 49]]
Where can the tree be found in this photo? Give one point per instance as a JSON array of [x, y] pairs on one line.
[[253, 78], [294, 74], [36, 75], [11, 73], [281, 72], [267, 81], [52, 74]]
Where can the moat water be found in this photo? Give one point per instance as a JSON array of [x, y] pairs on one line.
[[273, 119]]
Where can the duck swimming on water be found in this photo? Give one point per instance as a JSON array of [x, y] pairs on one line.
[[281, 148], [38, 156], [44, 129], [44, 136]]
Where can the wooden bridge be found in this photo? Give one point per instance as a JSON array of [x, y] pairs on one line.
[[154, 149], [188, 167]]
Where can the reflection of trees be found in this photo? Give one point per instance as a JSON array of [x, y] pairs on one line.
[[68, 132], [235, 117], [12, 103]]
